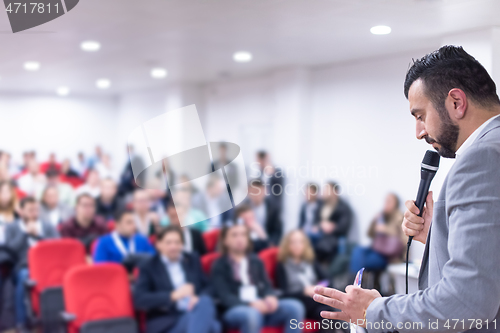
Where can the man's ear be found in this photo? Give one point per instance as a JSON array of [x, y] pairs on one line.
[[456, 103]]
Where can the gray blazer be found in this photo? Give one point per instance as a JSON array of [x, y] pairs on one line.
[[459, 278], [18, 241]]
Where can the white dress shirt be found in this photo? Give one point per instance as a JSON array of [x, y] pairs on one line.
[[470, 140]]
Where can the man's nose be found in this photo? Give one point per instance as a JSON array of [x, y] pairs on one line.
[[420, 131]]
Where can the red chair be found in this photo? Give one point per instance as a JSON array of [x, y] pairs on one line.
[[270, 258], [111, 226], [48, 262], [98, 299], [207, 261], [211, 238]]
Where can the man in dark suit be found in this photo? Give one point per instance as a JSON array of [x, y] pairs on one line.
[[173, 290], [271, 176], [336, 219], [309, 216], [266, 210], [193, 238], [20, 236]]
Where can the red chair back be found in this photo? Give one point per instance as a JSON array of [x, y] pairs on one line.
[[97, 292], [270, 258], [49, 261], [211, 238], [207, 261]]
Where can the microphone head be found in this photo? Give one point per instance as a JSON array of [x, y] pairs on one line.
[[431, 160]]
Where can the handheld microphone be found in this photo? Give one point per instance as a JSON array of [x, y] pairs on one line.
[[429, 167]]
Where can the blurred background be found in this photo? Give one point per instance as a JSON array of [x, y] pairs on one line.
[[316, 85]]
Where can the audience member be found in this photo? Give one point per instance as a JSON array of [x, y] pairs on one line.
[[8, 202], [105, 168], [82, 165], [92, 184], [51, 208], [213, 201], [173, 290], [66, 193], [297, 273], [141, 203], [20, 237], [85, 225], [50, 165], [122, 242], [108, 203], [310, 217], [271, 176], [243, 288], [245, 215], [266, 210], [193, 239], [127, 181], [336, 219], [67, 170], [388, 240], [190, 216], [33, 181]]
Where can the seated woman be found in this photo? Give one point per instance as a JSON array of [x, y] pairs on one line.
[[297, 273], [243, 288], [388, 240], [173, 290]]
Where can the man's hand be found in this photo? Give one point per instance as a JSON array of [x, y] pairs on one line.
[[272, 303], [414, 225], [353, 303], [31, 229], [183, 291], [192, 302], [260, 305], [327, 227]]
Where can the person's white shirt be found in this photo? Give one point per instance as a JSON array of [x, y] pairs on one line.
[[470, 140], [39, 230]]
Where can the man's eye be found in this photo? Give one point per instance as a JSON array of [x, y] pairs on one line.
[[419, 118]]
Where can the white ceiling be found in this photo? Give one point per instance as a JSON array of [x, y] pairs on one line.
[[195, 39]]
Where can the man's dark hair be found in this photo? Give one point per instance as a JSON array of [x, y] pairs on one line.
[[167, 230], [451, 67], [335, 186], [27, 200], [262, 154], [314, 187], [121, 213], [239, 210]]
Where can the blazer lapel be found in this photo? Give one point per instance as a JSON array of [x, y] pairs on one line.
[[165, 282]]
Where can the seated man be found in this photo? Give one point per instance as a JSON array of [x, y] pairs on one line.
[[85, 225], [173, 291], [193, 239], [245, 215], [108, 203], [19, 237], [122, 242]]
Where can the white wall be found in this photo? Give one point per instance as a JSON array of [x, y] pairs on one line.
[[64, 125]]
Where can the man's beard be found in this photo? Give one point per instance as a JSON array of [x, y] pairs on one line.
[[448, 137]]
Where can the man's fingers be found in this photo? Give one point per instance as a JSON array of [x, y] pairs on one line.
[[410, 204], [335, 315], [330, 292], [413, 217], [334, 303], [429, 202], [414, 226], [409, 232]]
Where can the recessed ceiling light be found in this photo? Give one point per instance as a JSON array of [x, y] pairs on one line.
[[90, 46], [158, 73], [62, 91], [31, 65], [242, 56], [103, 83], [380, 30]]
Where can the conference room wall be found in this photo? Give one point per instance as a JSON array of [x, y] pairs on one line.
[[64, 125]]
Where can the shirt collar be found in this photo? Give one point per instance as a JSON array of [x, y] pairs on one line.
[[167, 261], [470, 140]]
